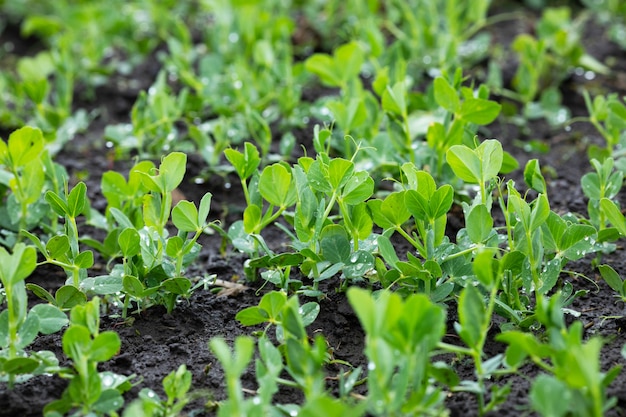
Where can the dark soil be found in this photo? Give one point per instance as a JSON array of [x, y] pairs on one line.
[[156, 342]]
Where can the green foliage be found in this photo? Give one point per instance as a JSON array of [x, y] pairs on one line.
[[572, 366], [19, 326], [176, 386], [400, 337], [89, 391]]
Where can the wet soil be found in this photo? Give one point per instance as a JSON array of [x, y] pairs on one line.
[[157, 342]]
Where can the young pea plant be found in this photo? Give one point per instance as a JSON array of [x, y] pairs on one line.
[[153, 127], [475, 315], [465, 111], [63, 249], [19, 326], [274, 185], [89, 392], [22, 158], [604, 183], [176, 386], [303, 358], [571, 365], [356, 112], [613, 279], [608, 115], [153, 263], [400, 338], [427, 205], [545, 60], [540, 242]]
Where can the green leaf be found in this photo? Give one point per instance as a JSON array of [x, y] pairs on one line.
[[361, 221], [174, 246], [57, 203], [84, 260], [177, 383], [612, 278], [330, 407], [491, 155], [335, 244], [359, 263], [387, 251], [16, 267], [394, 100], [104, 346], [615, 216], [339, 172], [133, 286], [69, 296], [185, 216], [533, 176], [309, 312], [358, 188], [24, 146], [177, 285], [323, 66], [486, 269], [129, 242], [114, 188], [252, 316], [51, 318], [246, 162], [479, 223], [292, 320], [273, 303], [471, 316], [465, 163], [550, 397], [40, 292], [104, 284], [20, 366], [109, 401], [540, 212], [445, 95], [479, 111], [28, 330], [76, 342], [390, 212], [58, 246], [276, 186], [172, 169], [252, 217], [76, 200], [233, 365], [478, 165], [204, 208], [348, 60]]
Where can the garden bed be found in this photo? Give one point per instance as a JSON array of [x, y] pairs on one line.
[[155, 341]]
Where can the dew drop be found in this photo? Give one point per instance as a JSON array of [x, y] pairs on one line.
[[233, 37], [371, 366], [107, 381], [590, 75]]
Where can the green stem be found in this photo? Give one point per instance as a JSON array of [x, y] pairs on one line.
[[348, 222], [420, 248]]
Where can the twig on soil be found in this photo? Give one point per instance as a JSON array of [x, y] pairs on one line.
[[229, 288]]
